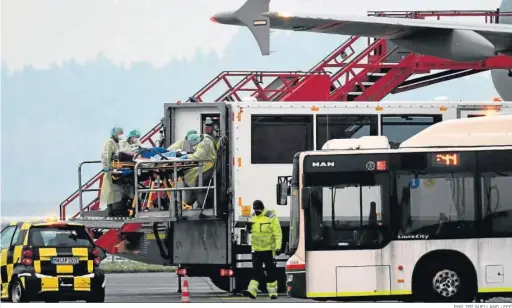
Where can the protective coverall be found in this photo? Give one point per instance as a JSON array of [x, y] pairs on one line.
[[183, 144], [266, 239], [111, 194], [205, 150], [132, 144]]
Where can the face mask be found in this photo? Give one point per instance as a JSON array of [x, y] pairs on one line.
[[258, 212], [120, 137], [135, 140]]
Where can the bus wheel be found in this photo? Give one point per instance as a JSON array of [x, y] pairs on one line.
[[440, 281]]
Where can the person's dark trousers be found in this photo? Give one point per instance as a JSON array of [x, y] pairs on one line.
[[200, 195], [258, 259], [118, 209]]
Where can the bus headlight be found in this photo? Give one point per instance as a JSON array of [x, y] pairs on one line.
[[290, 278]]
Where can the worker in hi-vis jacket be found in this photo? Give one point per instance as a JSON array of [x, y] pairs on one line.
[[266, 241]]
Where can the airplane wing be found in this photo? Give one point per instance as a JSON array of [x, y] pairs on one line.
[[255, 15]]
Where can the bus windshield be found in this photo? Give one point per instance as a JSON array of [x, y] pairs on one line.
[[413, 196], [347, 209]]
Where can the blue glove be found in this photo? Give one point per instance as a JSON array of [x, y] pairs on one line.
[[106, 169], [184, 156], [126, 172]]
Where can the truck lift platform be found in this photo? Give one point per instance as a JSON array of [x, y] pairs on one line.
[[145, 218], [165, 181]]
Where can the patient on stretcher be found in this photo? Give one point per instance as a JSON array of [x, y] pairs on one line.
[[123, 165]]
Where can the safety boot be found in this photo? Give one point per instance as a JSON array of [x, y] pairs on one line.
[[272, 289], [252, 289]]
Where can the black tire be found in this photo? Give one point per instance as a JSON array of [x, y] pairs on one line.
[[281, 281], [445, 280], [17, 293], [241, 283], [96, 296], [220, 282]]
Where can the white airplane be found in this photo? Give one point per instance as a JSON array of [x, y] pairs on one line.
[[443, 39]]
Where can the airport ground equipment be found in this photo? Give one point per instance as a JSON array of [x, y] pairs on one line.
[[346, 82]]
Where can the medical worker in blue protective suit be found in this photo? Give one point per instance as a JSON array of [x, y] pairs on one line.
[[113, 195]]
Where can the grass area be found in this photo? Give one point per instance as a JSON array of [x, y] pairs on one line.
[[134, 267]]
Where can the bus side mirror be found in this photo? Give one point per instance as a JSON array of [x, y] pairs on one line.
[[282, 193], [306, 196]]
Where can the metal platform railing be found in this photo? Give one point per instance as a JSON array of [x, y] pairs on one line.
[[169, 171], [164, 176]]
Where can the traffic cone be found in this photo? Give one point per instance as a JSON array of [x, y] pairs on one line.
[[185, 295]]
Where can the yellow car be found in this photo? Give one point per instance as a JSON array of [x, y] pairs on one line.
[[50, 261]]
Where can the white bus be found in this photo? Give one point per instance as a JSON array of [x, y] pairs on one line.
[[430, 220]]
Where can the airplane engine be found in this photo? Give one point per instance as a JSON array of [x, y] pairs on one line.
[[502, 79], [503, 84], [458, 45]]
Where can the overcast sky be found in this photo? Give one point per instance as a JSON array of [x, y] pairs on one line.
[[45, 32]]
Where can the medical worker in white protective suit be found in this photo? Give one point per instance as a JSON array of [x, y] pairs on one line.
[[131, 144], [113, 195], [183, 145], [206, 149]]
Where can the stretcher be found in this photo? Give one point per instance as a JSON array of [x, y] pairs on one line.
[[149, 176]]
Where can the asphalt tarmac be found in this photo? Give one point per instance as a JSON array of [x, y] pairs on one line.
[[162, 288]]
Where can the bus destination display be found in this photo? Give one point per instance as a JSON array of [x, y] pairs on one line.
[[446, 159]]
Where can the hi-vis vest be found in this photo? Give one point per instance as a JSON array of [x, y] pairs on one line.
[[266, 232]]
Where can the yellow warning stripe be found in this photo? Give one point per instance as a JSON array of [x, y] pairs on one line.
[[391, 293], [495, 290], [151, 236], [353, 294]]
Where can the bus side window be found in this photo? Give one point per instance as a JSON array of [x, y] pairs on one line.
[[496, 193], [399, 128], [276, 139], [344, 127]]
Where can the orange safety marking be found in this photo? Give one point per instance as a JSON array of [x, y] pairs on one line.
[[239, 162], [246, 209], [443, 108], [239, 115], [314, 108], [379, 108], [400, 280]]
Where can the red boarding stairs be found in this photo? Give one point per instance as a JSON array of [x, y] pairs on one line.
[[343, 75]]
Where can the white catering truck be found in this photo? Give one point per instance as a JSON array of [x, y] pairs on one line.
[[259, 141]]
